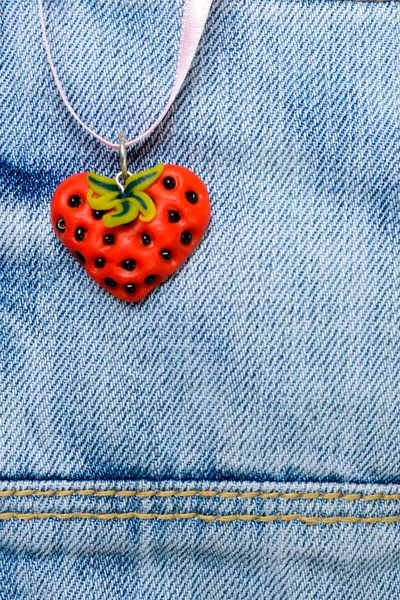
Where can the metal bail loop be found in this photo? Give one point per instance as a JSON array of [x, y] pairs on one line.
[[123, 159]]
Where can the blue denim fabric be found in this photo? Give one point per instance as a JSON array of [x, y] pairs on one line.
[[269, 363]]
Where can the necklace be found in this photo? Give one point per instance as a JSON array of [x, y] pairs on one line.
[[133, 231]]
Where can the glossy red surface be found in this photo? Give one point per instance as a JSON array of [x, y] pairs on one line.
[[128, 239]]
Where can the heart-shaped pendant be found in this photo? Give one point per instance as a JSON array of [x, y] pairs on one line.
[[130, 236]]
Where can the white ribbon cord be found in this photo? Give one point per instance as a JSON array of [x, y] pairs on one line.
[[195, 14]]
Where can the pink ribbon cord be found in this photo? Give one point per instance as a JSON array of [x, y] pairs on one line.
[[195, 14]]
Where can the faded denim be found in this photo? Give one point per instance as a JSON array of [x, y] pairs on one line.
[[269, 363]]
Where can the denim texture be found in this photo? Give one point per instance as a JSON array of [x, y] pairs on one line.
[[268, 362]]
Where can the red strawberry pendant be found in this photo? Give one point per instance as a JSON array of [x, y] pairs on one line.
[[130, 236]]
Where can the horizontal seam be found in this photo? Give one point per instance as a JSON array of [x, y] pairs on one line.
[[202, 517], [202, 494]]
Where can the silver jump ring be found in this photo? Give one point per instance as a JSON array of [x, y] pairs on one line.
[[120, 179], [123, 159]]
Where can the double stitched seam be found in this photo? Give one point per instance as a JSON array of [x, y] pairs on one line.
[[202, 494], [309, 520]]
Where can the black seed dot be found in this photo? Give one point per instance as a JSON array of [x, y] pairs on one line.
[[111, 283], [150, 279], [129, 264], [166, 254], [191, 197], [146, 239], [61, 226], [186, 237], [80, 257], [74, 201], [109, 239], [169, 183], [97, 214], [130, 288], [99, 262], [174, 216], [80, 233]]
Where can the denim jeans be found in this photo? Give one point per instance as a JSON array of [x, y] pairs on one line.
[[237, 433]]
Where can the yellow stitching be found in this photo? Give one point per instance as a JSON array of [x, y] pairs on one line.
[[207, 518], [202, 494]]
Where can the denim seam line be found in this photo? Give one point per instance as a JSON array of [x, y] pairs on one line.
[[202, 517], [203, 494]]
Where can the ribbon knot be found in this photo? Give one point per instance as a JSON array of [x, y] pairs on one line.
[[127, 203]]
